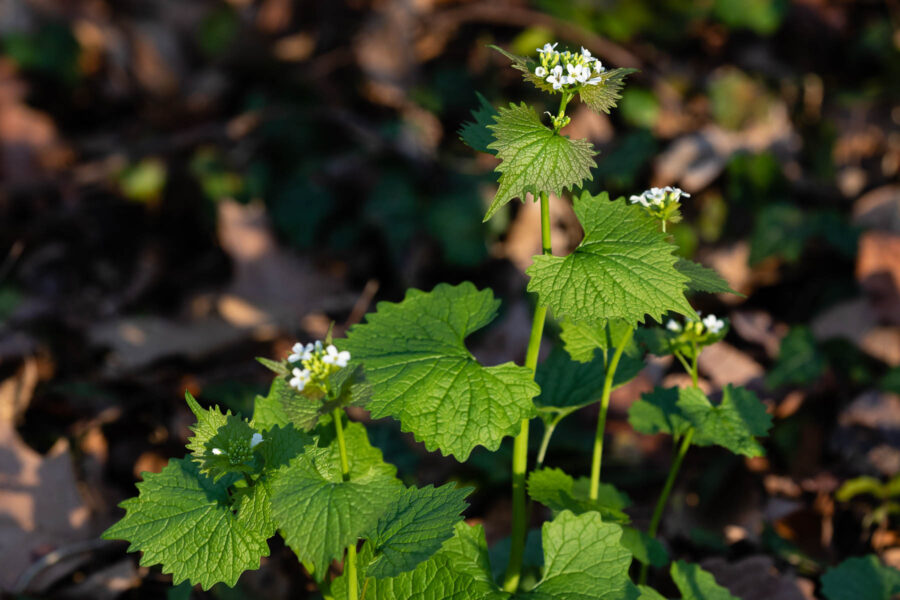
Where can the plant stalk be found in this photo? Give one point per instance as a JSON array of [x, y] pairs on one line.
[[664, 496], [604, 407], [350, 562], [520, 446]]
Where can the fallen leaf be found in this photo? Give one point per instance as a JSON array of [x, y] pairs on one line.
[[725, 364], [753, 578], [878, 272], [41, 508]]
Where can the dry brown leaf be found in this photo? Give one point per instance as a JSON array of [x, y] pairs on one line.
[[753, 578], [725, 364], [16, 391], [40, 506], [878, 271]]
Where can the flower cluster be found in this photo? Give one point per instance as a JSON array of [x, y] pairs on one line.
[[317, 362], [690, 338], [240, 452], [709, 324], [563, 69], [661, 203]]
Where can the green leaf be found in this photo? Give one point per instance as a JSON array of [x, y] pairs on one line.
[[183, 520], [568, 385], [696, 584], [268, 410], [645, 549], [535, 158], [475, 133], [317, 512], [659, 411], [422, 374], [460, 570], [703, 279], [800, 361], [582, 338], [279, 446], [558, 491], [734, 423], [648, 593], [276, 366], [221, 442], [414, 527], [583, 560], [861, 578], [603, 96], [862, 485], [623, 269]]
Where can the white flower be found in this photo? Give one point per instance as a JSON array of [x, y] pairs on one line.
[[548, 47], [556, 77], [333, 357], [713, 324], [297, 353], [675, 193], [540, 72], [217, 451], [673, 325], [300, 379], [653, 197], [587, 54], [598, 66], [255, 440]]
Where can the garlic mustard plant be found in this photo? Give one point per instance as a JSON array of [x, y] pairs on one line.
[[662, 203], [300, 469]]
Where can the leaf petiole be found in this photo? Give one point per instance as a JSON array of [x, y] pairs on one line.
[[604, 407], [350, 563]]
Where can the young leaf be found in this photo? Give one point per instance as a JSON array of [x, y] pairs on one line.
[[623, 269], [734, 423], [569, 385], [603, 96], [534, 157], [645, 549], [558, 491], [659, 411], [583, 560], [184, 521], [583, 338], [861, 578], [475, 133], [221, 442], [277, 367], [696, 584], [414, 527], [317, 512], [703, 279], [422, 374], [460, 570]]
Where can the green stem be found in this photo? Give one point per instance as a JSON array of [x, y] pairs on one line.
[[549, 428], [664, 496], [695, 374], [604, 407], [350, 563], [684, 362], [520, 446]]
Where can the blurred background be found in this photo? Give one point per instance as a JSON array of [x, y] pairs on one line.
[[185, 186]]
